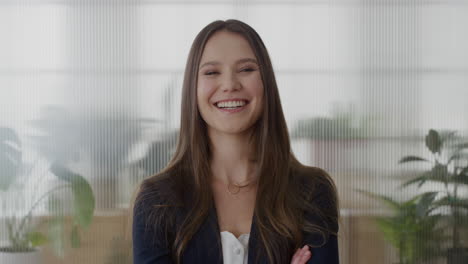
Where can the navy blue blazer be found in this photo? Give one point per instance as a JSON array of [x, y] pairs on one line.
[[205, 246]]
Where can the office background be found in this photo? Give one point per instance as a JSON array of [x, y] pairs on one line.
[[95, 86]]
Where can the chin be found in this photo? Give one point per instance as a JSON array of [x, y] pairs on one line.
[[231, 130]]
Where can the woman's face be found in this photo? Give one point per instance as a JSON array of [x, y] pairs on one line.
[[229, 87]]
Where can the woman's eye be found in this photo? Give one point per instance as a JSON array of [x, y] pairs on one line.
[[243, 70], [211, 73]]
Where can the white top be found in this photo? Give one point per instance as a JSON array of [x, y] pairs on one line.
[[235, 250]]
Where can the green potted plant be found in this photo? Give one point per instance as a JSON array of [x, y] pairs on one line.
[[412, 228], [103, 142], [24, 236], [449, 167]]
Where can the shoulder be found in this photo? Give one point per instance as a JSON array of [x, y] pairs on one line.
[[155, 204], [316, 181], [312, 172], [153, 189], [151, 227], [157, 191], [321, 196]]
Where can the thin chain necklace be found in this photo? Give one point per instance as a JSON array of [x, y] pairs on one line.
[[238, 186]]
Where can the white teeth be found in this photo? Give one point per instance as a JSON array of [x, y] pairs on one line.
[[231, 104]]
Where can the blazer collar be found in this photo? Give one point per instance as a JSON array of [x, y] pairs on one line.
[[208, 241]]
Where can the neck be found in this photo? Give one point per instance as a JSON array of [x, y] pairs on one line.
[[231, 160]]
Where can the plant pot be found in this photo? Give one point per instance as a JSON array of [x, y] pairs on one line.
[[457, 256], [32, 257]]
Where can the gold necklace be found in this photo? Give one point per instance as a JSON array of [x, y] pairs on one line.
[[239, 187]]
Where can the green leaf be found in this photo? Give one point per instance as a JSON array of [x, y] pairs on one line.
[[37, 238], [75, 237], [412, 158], [83, 197], [387, 200], [420, 180], [464, 171], [423, 206], [10, 157], [392, 231], [55, 235], [438, 173], [457, 153], [8, 134], [54, 205], [12, 236], [452, 201], [414, 234], [460, 178], [433, 141]]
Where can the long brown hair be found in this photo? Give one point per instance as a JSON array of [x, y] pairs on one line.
[[286, 188]]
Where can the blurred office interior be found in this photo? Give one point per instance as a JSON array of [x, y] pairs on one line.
[[96, 86]]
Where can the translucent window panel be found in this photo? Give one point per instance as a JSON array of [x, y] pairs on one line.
[[315, 94], [443, 39], [387, 104], [23, 95], [313, 36], [443, 104], [167, 31], [316, 40], [160, 98], [32, 36], [392, 69]]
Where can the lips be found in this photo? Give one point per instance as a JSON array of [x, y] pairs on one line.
[[232, 110], [231, 105], [231, 99]]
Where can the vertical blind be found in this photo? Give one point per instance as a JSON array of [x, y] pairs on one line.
[[91, 90]]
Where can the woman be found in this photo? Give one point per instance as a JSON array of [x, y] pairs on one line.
[[233, 191]]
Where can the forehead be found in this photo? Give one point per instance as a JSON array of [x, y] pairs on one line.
[[226, 47]]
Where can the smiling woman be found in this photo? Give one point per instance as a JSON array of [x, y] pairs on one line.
[[234, 192], [229, 82]]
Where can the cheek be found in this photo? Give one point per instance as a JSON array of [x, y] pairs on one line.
[[201, 94], [256, 88], [204, 91], [257, 91]]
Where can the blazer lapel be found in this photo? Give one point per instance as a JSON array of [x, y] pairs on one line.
[[207, 241], [253, 246], [207, 247]]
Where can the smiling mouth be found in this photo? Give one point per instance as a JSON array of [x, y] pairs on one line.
[[229, 105]]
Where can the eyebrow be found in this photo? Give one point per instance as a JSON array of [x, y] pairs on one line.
[[237, 62]]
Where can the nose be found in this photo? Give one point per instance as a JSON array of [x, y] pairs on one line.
[[230, 83]]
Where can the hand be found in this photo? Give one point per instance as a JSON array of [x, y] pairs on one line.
[[301, 256]]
